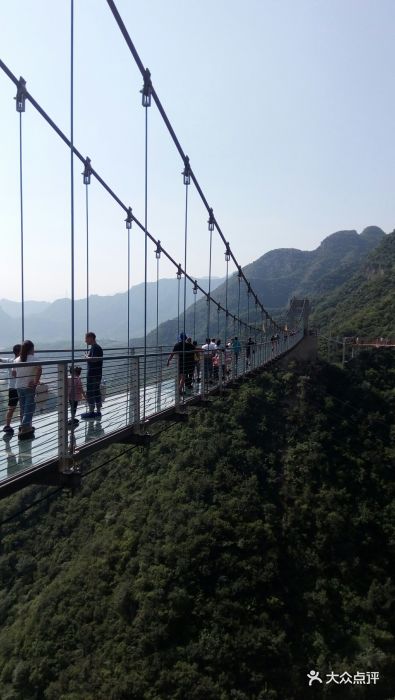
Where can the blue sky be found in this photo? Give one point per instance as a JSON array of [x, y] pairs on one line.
[[285, 107]]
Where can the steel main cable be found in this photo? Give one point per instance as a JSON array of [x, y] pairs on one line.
[[165, 118], [108, 189]]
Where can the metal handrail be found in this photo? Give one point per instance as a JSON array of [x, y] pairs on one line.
[[57, 447]]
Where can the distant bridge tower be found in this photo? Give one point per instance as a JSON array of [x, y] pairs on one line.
[[299, 309]]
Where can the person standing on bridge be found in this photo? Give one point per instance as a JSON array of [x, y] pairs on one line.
[[236, 349], [27, 380], [12, 392], [93, 377], [76, 392], [186, 355]]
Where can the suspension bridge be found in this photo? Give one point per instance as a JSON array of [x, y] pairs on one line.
[[141, 385]]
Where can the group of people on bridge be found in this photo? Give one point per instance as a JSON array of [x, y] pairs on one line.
[[217, 359], [24, 382]]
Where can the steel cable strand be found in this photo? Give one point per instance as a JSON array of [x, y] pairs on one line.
[[186, 183], [22, 231], [165, 118], [145, 249], [54, 126], [72, 385], [87, 255], [209, 284]]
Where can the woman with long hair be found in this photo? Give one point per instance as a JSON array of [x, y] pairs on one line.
[[27, 379]]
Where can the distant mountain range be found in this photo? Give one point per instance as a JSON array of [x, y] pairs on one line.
[[49, 323], [276, 277]]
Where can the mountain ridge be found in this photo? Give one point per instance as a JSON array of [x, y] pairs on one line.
[[277, 276]]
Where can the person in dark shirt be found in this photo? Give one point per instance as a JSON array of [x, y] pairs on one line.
[[93, 377], [186, 356]]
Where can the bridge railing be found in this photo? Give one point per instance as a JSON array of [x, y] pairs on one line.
[[136, 389]]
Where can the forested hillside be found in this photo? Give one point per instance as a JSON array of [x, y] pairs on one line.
[[237, 553], [276, 277], [365, 304]]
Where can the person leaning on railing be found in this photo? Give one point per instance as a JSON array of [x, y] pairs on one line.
[[27, 380]]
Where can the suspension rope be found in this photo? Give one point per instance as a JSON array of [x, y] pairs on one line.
[[95, 174], [165, 118], [186, 183], [128, 324], [128, 222], [87, 255], [178, 300], [238, 300], [194, 311], [145, 250], [209, 285], [227, 258], [157, 304], [72, 397], [22, 236], [108, 189]]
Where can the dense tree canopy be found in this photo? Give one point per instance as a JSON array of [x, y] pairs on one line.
[[227, 560]]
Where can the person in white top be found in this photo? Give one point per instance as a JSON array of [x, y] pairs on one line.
[[12, 392], [27, 379], [208, 351]]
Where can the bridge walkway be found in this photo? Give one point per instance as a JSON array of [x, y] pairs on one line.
[[127, 410]]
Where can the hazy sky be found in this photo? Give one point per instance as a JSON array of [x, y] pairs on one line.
[[285, 107]]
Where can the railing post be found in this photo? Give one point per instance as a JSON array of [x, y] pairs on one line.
[[135, 392], [220, 377], [202, 376], [177, 382], [160, 379], [129, 391], [233, 365], [63, 451]]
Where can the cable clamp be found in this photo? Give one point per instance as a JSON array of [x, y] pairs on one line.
[[87, 171], [211, 221], [129, 219], [146, 91], [21, 95], [187, 171]]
